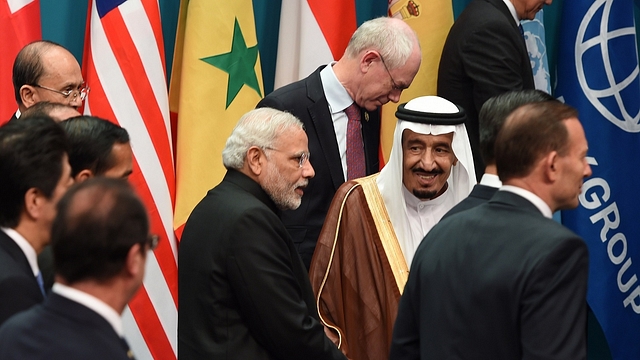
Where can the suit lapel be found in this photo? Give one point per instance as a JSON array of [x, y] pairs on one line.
[[321, 118], [11, 248]]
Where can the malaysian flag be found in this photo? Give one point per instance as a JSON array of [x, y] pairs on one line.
[[124, 66]]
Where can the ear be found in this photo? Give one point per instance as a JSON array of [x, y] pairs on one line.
[[33, 202], [455, 161], [255, 160], [28, 95], [83, 175], [367, 59], [135, 261], [551, 166]]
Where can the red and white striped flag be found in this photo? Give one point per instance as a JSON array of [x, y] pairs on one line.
[[19, 25], [124, 66]]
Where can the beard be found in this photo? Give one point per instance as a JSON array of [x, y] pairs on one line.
[[282, 192], [424, 194]]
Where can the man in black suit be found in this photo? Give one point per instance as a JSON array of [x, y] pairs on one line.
[[485, 55], [243, 290], [34, 174], [46, 71], [100, 240], [492, 115], [503, 280], [381, 60], [97, 147]]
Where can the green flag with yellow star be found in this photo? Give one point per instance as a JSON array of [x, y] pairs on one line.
[[218, 79]]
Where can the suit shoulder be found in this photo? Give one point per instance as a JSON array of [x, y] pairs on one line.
[[285, 97]]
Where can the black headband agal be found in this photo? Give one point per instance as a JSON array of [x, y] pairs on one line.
[[431, 118]]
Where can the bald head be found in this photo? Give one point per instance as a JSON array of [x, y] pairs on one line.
[[43, 70]]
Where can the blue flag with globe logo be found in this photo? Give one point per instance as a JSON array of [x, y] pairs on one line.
[[598, 74]]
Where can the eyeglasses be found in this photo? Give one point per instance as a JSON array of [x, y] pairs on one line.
[[82, 92], [394, 86], [152, 241], [301, 158]]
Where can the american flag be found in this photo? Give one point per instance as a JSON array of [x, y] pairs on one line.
[[124, 66]]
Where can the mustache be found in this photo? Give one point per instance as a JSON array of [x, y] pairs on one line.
[[302, 184], [421, 171]]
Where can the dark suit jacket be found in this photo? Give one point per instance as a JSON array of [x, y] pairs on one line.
[[484, 55], [305, 99], [19, 289], [60, 329], [479, 195], [499, 281], [243, 290], [13, 118]]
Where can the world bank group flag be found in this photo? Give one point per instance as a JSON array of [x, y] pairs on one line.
[[598, 74]]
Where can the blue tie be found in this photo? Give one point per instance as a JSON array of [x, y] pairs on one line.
[[41, 283]]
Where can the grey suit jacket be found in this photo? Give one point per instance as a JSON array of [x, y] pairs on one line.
[[499, 281], [305, 99]]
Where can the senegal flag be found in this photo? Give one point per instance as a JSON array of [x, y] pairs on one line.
[[431, 20], [216, 79]]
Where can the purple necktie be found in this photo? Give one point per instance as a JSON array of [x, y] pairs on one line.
[[356, 167]]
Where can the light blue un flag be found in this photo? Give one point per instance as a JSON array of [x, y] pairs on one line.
[[598, 74], [534, 36]]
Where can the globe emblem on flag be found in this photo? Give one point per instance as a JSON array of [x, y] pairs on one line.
[[607, 66]]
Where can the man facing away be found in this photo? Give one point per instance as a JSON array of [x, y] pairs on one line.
[[100, 240], [46, 71], [243, 290], [485, 55], [503, 280], [339, 107], [34, 174], [375, 224], [492, 115]]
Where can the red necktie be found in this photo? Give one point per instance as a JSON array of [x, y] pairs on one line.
[[356, 167]]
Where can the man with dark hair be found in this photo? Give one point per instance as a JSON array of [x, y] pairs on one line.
[[46, 71], [503, 280], [100, 240], [98, 147], [339, 107], [34, 174], [243, 290], [56, 111], [492, 115]]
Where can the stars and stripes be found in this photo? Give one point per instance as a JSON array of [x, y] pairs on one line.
[[124, 65]]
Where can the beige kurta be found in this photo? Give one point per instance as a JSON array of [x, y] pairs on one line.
[[358, 271]]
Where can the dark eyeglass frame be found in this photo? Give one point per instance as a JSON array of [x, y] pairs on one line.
[[394, 86], [83, 92], [152, 241], [302, 157]]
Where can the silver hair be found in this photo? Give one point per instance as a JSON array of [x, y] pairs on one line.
[[384, 35], [259, 127]]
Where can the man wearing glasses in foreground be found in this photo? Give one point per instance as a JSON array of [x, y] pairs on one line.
[[100, 242], [46, 71], [338, 105]]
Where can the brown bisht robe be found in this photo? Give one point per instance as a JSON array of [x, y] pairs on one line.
[[358, 271]]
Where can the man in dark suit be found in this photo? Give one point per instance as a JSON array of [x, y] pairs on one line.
[[492, 115], [243, 290], [503, 280], [381, 60], [97, 147], [46, 71], [34, 174], [485, 55], [100, 240]]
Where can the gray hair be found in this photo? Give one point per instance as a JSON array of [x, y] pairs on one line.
[[385, 35], [259, 127]]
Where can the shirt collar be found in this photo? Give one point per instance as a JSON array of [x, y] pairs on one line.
[[337, 96], [533, 198], [512, 10], [18, 114], [491, 180], [93, 303], [25, 246]]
